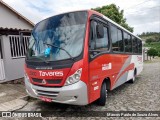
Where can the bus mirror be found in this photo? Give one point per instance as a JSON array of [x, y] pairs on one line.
[[100, 31]]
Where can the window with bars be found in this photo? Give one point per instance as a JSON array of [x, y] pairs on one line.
[[18, 47], [1, 53]]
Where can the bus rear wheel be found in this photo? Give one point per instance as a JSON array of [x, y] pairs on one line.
[[103, 94], [134, 76]]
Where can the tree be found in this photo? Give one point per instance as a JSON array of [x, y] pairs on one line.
[[149, 40], [114, 13], [152, 52]]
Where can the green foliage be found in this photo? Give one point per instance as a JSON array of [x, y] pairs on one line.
[[152, 40], [155, 45], [152, 52], [150, 37], [114, 13], [149, 40], [159, 54], [149, 34]]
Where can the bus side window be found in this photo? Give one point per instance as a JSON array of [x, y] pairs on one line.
[[139, 46], [115, 45], [120, 41], [92, 41], [135, 45], [98, 45], [128, 42], [102, 43], [117, 41]]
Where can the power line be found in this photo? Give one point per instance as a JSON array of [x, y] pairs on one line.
[[137, 4], [139, 11]]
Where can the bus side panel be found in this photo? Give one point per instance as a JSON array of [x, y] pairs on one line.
[[125, 70], [132, 63], [138, 65], [103, 66]]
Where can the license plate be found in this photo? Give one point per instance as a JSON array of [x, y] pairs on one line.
[[45, 99]]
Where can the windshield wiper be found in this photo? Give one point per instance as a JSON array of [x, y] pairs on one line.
[[42, 59], [61, 49], [27, 56]]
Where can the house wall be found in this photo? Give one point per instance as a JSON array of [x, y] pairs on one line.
[[14, 68], [9, 19], [2, 72]]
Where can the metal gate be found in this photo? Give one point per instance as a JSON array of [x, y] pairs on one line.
[[18, 48], [2, 72]]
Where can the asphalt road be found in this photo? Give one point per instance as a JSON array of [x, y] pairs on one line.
[[143, 95]]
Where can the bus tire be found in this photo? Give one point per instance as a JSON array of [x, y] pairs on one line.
[[102, 100], [134, 76]]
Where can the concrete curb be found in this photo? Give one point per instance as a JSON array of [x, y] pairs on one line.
[[26, 97]]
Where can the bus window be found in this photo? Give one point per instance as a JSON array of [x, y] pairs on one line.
[[139, 46], [117, 41], [128, 42], [115, 46], [102, 43], [120, 39], [135, 46], [125, 36], [91, 41], [96, 44]]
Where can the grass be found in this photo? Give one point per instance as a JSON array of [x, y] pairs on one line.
[[156, 59]]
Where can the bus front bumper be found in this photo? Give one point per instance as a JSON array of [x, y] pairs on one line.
[[75, 94]]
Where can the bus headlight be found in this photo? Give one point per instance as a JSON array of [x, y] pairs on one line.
[[74, 78]]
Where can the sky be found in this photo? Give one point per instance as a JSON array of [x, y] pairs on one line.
[[143, 15]]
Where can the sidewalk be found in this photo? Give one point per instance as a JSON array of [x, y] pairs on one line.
[[11, 95]]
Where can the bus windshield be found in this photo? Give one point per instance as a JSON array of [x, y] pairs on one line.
[[65, 31]]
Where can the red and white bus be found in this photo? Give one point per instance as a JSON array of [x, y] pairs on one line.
[[75, 57]]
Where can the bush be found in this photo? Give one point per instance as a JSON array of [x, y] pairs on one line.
[[152, 52], [149, 40]]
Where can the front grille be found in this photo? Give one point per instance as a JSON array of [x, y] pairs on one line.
[[48, 81], [37, 80], [50, 94]]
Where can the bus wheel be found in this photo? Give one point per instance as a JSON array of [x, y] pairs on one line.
[[134, 76], [102, 100]]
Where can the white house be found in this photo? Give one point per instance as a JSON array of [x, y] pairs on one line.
[[12, 50]]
